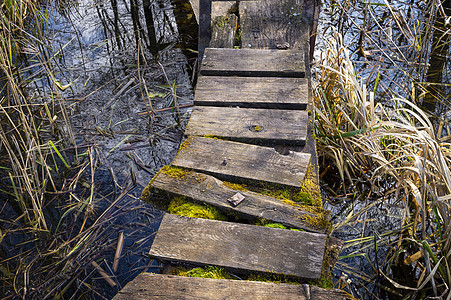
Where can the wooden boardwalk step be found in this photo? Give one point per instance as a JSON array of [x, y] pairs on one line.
[[156, 286], [239, 247], [250, 124], [253, 62], [212, 191], [243, 161], [273, 23], [253, 92]]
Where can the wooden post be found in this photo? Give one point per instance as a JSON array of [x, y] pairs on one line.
[[204, 26]]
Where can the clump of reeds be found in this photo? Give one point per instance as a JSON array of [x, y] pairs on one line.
[[391, 141], [45, 249]]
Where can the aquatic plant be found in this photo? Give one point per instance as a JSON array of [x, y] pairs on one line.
[[390, 143]]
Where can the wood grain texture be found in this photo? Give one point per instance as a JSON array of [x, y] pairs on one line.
[[253, 62], [250, 125], [240, 247], [217, 8], [156, 286], [243, 161], [262, 92], [269, 23], [223, 31], [209, 190]]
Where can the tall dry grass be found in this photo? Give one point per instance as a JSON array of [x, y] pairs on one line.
[[49, 231], [388, 141]]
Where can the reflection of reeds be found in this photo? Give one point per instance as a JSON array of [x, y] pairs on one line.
[[394, 142]]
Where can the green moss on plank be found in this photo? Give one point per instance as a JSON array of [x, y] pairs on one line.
[[176, 172], [235, 186], [179, 206], [206, 272], [274, 278]]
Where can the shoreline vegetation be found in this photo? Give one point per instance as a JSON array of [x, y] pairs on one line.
[[378, 135]]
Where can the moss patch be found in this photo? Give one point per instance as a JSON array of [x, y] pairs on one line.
[[206, 272], [325, 283], [176, 172], [184, 145], [235, 186], [179, 206], [222, 21], [269, 224], [311, 188], [320, 220], [274, 278], [275, 225]]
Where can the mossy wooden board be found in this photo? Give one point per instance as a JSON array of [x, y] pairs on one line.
[[272, 24], [249, 124], [240, 247], [212, 191], [223, 31], [253, 92], [156, 286], [243, 161], [253, 62]]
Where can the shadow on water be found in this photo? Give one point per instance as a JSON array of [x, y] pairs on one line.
[[127, 85]]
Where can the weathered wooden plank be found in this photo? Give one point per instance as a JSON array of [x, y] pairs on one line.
[[253, 62], [212, 191], [273, 24], [243, 161], [252, 92], [156, 286], [223, 31], [240, 247], [249, 124], [217, 8]]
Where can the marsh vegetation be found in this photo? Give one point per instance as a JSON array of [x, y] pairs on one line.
[[93, 101], [88, 88], [382, 128]]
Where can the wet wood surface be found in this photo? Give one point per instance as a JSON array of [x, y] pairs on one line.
[[267, 126], [156, 286], [203, 188], [243, 161], [273, 24], [266, 92], [240, 247], [253, 62]]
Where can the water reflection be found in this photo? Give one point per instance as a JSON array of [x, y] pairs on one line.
[[128, 90]]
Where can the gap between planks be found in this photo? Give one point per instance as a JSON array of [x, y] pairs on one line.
[[206, 189]]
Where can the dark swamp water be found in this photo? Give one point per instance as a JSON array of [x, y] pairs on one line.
[[122, 58]]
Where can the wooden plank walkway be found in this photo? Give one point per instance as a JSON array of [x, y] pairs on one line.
[[202, 188], [270, 126], [250, 114], [239, 247], [253, 62], [253, 92], [155, 286], [243, 161], [273, 24]]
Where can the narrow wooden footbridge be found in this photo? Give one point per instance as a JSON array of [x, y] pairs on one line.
[[249, 153]]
